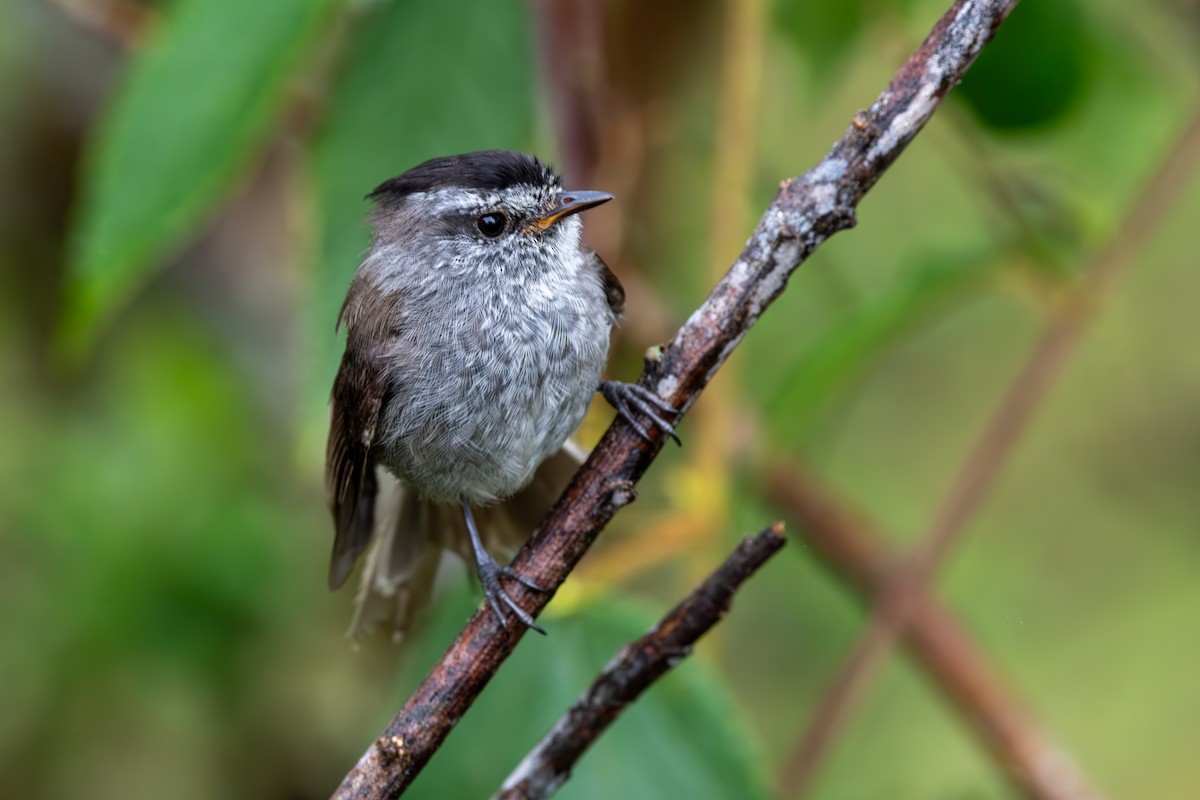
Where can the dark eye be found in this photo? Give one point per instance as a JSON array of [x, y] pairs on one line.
[[491, 225]]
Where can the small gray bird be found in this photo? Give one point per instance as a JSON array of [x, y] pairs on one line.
[[477, 330]]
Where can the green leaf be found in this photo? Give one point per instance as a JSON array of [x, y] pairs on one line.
[[188, 115], [846, 348], [1035, 71], [683, 738], [425, 79], [823, 32]]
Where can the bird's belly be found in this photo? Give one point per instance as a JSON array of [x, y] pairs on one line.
[[486, 403]]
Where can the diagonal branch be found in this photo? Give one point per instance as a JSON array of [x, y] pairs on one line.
[[805, 212], [634, 668], [855, 551]]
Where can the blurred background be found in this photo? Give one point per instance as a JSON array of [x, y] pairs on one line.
[[181, 211]]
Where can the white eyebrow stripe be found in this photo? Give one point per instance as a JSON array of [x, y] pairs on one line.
[[457, 198]]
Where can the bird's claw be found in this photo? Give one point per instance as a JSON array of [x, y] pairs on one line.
[[490, 574], [628, 397]]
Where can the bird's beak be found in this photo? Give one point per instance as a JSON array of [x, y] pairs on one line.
[[568, 203]]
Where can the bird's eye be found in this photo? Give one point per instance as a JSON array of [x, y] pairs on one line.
[[491, 225]]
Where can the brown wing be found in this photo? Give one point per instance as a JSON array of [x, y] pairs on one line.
[[612, 286], [350, 483]]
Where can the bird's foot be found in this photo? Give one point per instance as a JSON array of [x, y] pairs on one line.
[[490, 575], [627, 398]]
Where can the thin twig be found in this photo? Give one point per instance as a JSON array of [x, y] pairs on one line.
[[805, 212], [990, 452], [634, 668], [854, 550]]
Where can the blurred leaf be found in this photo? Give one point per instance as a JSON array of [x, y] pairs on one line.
[[682, 738], [169, 523], [424, 79], [847, 347], [188, 115], [1035, 69], [140, 541], [822, 32]]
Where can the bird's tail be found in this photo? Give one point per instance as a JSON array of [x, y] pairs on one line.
[[411, 534]]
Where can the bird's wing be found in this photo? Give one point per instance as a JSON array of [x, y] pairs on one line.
[[612, 286], [358, 394]]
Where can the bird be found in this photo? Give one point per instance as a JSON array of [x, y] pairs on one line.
[[477, 331]]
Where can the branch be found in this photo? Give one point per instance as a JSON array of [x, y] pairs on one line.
[[636, 666], [988, 455], [854, 550], [805, 212]]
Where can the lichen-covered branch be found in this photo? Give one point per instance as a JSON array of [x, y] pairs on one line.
[[805, 212], [634, 668]]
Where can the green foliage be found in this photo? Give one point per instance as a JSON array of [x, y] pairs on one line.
[[847, 348], [163, 619], [191, 111], [823, 33], [1035, 71], [155, 569]]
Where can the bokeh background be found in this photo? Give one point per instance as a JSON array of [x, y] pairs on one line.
[[181, 210]]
